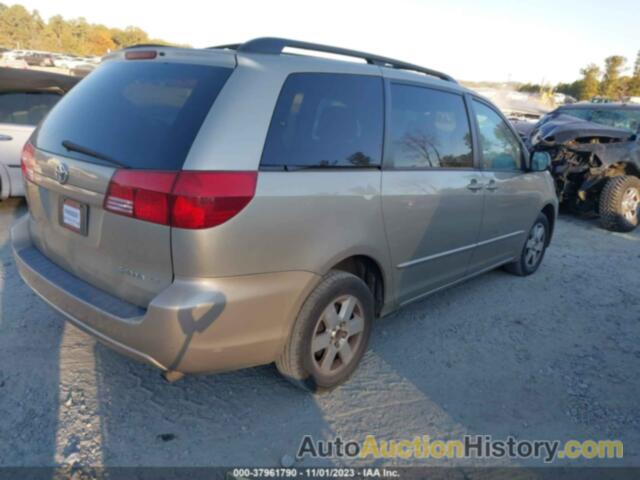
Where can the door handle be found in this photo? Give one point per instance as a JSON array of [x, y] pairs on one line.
[[5, 138], [492, 185], [474, 185]]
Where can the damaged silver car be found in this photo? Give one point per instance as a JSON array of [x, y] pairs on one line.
[[595, 150]]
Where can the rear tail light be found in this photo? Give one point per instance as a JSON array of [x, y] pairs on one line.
[[187, 199], [206, 199], [28, 162]]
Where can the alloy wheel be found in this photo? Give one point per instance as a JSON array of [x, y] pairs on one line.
[[534, 247], [337, 335]]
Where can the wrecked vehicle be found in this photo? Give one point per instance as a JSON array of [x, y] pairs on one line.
[[595, 151]]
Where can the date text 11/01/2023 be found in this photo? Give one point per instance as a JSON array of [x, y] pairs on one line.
[[314, 472]]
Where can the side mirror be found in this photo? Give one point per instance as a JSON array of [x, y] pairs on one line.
[[540, 161]]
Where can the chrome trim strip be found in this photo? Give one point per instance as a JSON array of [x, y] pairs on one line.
[[501, 237], [411, 263], [455, 282]]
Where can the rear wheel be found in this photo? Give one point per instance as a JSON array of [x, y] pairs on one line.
[[331, 333], [533, 249], [620, 203]]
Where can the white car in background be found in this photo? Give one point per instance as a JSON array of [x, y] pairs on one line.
[[60, 61], [78, 66], [14, 54], [67, 61], [26, 96]]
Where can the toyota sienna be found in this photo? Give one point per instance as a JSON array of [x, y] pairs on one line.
[[212, 209]]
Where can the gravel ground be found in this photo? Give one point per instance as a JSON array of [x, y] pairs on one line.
[[551, 356]]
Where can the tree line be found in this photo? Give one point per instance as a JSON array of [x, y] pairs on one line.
[[21, 29], [610, 82]]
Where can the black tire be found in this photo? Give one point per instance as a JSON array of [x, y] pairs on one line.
[[613, 213], [523, 267], [297, 362]]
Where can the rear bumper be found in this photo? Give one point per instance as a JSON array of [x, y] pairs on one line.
[[194, 326]]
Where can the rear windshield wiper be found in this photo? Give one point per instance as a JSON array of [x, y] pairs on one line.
[[74, 147]]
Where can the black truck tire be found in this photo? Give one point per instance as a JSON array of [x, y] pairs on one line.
[[620, 203]]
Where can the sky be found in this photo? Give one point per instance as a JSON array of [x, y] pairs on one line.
[[494, 40]]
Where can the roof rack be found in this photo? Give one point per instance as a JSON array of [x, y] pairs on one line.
[[275, 46], [231, 46]]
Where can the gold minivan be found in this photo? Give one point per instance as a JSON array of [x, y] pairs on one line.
[[215, 209]]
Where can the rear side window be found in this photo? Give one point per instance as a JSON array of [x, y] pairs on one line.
[[581, 113], [326, 120], [429, 129], [501, 149], [144, 115], [26, 108]]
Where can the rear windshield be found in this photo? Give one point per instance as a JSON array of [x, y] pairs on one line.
[[143, 115]]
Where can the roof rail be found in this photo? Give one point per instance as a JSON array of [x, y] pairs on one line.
[[275, 46]]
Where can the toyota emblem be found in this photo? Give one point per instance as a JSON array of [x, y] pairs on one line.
[[62, 173]]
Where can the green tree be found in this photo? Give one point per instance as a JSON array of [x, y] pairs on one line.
[[99, 40], [572, 89], [612, 85], [633, 87], [530, 88], [590, 85], [54, 32], [129, 36], [21, 29], [4, 34]]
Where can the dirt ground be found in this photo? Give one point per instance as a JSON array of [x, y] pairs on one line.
[[555, 355]]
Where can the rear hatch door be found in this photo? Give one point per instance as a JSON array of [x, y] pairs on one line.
[[140, 115]]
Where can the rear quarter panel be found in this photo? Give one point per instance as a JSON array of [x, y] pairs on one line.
[[306, 220]]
